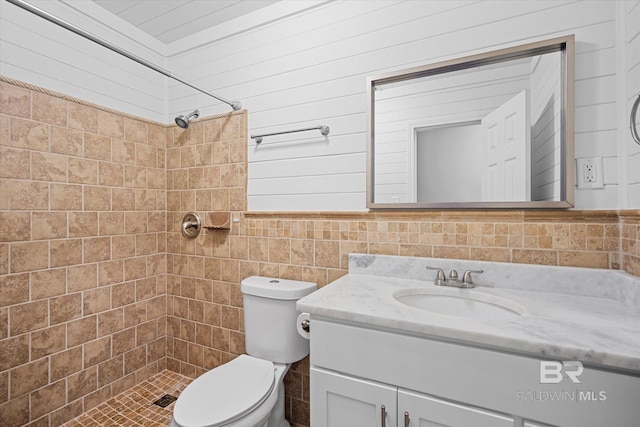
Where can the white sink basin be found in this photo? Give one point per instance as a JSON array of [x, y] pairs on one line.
[[459, 302]]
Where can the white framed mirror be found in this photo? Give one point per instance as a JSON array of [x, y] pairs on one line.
[[493, 130]]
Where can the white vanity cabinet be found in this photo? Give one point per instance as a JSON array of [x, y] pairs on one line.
[[359, 374], [340, 400]]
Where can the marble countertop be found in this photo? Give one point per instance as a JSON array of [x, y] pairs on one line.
[[598, 331]]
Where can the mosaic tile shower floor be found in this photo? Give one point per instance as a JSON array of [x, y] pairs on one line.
[[135, 407]]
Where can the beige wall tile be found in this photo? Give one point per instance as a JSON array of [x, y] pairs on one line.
[[15, 412], [49, 109], [110, 174], [66, 141], [28, 317], [81, 277], [66, 252], [82, 171], [47, 341], [110, 124], [135, 176], [110, 322], [30, 377], [15, 100], [82, 330], [110, 272], [29, 256], [27, 195], [97, 249], [48, 225], [46, 399], [135, 130], [14, 163], [48, 167], [97, 147], [29, 134], [66, 363], [5, 137], [96, 198], [82, 383], [83, 224], [15, 226], [14, 289], [14, 352], [66, 197], [111, 223], [65, 308], [48, 283], [82, 117]]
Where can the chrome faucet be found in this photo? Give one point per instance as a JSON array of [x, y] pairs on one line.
[[453, 280]]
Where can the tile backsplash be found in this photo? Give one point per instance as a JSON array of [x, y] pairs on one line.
[[99, 290]]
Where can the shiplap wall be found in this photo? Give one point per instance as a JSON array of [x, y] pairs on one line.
[[458, 97], [546, 109], [36, 51], [311, 69], [632, 14]]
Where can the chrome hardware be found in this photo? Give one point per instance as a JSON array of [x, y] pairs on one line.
[[306, 325], [466, 277], [440, 280], [632, 121], [191, 225], [453, 280], [324, 130], [406, 419], [383, 415]]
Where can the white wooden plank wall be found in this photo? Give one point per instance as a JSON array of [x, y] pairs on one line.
[[546, 102], [437, 100], [310, 69], [633, 91], [36, 51]]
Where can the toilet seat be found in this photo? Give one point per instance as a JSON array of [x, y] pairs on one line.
[[226, 393]]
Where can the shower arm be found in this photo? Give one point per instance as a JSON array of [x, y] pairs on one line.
[[236, 105]]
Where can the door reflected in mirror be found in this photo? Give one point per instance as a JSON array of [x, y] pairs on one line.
[[492, 130]]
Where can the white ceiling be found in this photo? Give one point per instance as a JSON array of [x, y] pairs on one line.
[[171, 20]]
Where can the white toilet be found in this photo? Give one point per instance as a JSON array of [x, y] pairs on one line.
[[249, 390]]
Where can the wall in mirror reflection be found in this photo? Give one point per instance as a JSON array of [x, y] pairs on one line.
[[486, 134]]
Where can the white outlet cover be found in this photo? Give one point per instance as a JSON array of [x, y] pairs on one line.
[[581, 164]]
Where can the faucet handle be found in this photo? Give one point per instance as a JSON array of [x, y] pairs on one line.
[[466, 277], [440, 277]]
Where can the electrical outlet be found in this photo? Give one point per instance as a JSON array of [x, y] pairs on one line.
[[589, 173]]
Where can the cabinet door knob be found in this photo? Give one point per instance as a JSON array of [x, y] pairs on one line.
[[406, 419], [383, 416]]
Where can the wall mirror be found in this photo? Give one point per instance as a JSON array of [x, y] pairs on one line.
[[493, 130]]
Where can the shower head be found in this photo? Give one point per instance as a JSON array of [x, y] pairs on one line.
[[183, 121]]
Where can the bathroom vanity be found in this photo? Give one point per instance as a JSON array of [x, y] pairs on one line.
[[529, 346]]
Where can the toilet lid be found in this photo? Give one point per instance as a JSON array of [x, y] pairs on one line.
[[225, 393]]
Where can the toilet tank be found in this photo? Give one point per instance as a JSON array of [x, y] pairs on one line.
[[270, 318]]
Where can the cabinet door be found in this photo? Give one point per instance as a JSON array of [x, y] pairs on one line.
[[339, 401], [426, 411]]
